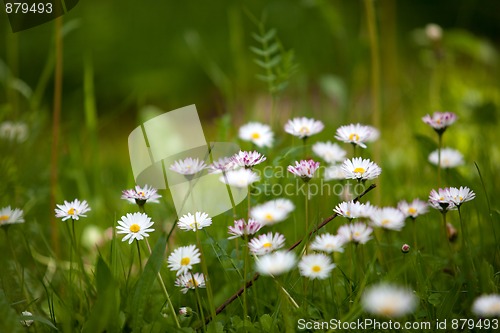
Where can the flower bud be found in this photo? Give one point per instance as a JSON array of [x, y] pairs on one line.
[[405, 248]]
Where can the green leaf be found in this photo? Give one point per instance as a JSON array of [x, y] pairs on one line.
[[10, 320], [266, 78], [40, 320], [145, 284], [104, 314], [266, 323]]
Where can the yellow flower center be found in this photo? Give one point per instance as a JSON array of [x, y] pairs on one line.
[[268, 217], [135, 228], [71, 211], [412, 210], [357, 234], [316, 268], [304, 130], [460, 198], [185, 261], [267, 245], [359, 170], [141, 193], [255, 135], [4, 218], [385, 222], [388, 310], [192, 283], [353, 137]]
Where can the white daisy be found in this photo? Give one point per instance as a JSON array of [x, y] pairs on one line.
[[328, 243], [241, 228], [352, 210], [223, 164], [413, 209], [188, 166], [27, 322], [141, 195], [356, 134], [388, 218], [316, 266], [194, 222], [388, 301], [285, 205], [240, 178], [248, 159], [358, 232], [73, 209], [268, 213], [450, 158], [360, 169], [305, 169], [374, 134], [440, 120], [460, 195], [9, 216], [190, 281], [266, 243], [334, 172], [328, 151], [275, 263], [303, 127], [183, 258], [487, 306], [135, 226], [441, 200], [259, 134]]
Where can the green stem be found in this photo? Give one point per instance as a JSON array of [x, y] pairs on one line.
[[198, 301], [139, 253], [245, 273], [207, 279], [440, 144], [160, 279]]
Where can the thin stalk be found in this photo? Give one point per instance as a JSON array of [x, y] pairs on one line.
[[414, 233], [465, 246], [443, 213], [139, 253], [245, 273], [371, 21], [440, 144], [160, 279], [198, 301], [56, 120], [306, 204], [207, 279]]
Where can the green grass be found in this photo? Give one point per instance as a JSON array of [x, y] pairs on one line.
[[101, 287]]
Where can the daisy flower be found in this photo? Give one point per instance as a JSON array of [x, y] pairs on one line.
[[183, 258], [334, 172], [259, 134], [275, 263], [330, 152], [458, 196], [248, 159], [356, 134], [268, 213], [450, 158], [10, 216], [374, 134], [328, 243], [135, 226], [194, 222], [441, 200], [223, 164], [73, 209], [141, 195], [190, 281], [316, 266], [388, 218], [303, 127], [360, 169], [440, 120], [358, 232], [241, 228], [285, 205], [266, 243], [487, 306], [240, 178], [188, 166], [353, 210], [388, 301], [413, 209], [304, 169]]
